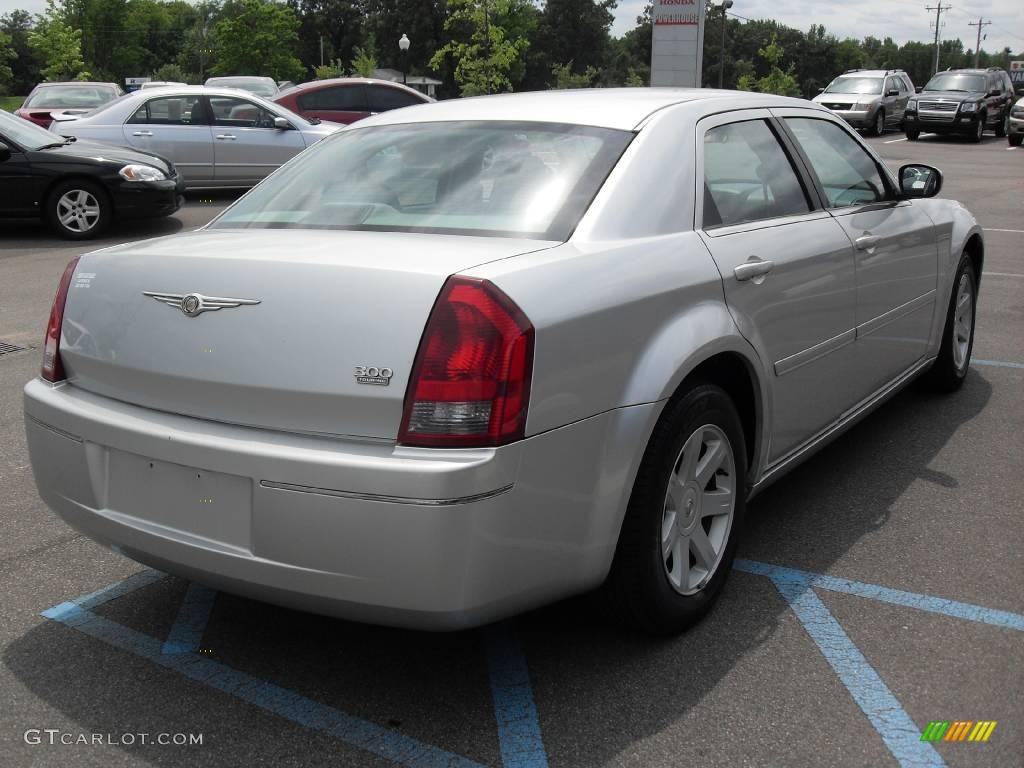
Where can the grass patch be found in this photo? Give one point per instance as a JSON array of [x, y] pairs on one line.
[[11, 103]]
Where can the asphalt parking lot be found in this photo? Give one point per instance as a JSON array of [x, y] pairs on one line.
[[881, 587]]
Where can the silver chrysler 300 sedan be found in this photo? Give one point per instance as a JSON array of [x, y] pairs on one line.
[[216, 137], [462, 360]]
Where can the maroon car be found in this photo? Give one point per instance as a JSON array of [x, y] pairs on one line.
[[75, 98], [347, 99]]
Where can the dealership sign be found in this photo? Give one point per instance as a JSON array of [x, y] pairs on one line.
[[678, 47], [1017, 72]]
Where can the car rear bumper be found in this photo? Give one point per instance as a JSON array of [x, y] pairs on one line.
[[369, 531]]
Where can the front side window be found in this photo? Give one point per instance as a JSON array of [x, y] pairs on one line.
[[229, 111], [467, 178], [856, 85], [846, 171], [338, 98], [170, 110], [748, 177]]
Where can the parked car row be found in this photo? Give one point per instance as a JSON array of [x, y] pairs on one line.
[[964, 102]]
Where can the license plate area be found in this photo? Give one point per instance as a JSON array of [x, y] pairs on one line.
[[198, 502]]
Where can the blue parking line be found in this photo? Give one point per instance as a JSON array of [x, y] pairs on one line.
[[105, 595], [519, 735], [187, 633], [952, 608], [280, 701], [898, 731], [997, 363]]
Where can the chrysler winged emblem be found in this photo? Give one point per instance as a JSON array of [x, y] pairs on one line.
[[194, 304]]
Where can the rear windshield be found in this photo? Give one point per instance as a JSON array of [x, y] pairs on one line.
[[864, 85], [259, 87], [71, 96], [470, 178]]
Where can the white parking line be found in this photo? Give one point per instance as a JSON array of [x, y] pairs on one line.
[[1000, 274], [896, 141], [1014, 231], [1010, 149]]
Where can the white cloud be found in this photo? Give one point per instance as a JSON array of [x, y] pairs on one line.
[[901, 20]]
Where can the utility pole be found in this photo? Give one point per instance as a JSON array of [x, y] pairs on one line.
[[726, 5], [939, 10], [980, 24]]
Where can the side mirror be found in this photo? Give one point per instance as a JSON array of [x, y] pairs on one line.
[[995, 92], [920, 181], [821, 90], [918, 88], [282, 124], [5, 152], [892, 92]]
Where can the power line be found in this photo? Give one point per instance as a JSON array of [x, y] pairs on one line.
[[939, 10], [980, 24]]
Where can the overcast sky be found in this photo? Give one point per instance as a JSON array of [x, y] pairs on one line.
[[901, 20]]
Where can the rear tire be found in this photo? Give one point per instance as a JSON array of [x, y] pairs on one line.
[[948, 372], [913, 135], [684, 517], [78, 209], [1015, 139]]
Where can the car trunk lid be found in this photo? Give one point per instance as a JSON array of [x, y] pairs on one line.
[[329, 302]]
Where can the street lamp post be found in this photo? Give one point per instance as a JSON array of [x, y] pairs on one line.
[[726, 5], [403, 45]]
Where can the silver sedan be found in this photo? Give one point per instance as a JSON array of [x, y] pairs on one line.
[[466, 359], [216, 137]]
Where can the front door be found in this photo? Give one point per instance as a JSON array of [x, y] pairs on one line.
[[788, 271], [896, 249], [177, 128], [19, 188], [246, 144]]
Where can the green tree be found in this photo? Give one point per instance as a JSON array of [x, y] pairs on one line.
[[565, 78], [173, 73], [25, 65], [483, 54], [7, 54], [58, 45], [364, 63], [329, 70], [776, 81], [260, 37]]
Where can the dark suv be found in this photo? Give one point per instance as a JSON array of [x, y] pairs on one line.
[[961, 101]]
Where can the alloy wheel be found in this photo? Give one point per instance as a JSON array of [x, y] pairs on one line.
[[78, 210], [963, 321], [699, 507]]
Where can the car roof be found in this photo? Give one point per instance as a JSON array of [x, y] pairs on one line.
[[242, 77], [77, 82], [618, 108]]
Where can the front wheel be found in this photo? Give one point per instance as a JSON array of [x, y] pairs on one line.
[[979, 130], [684, 517], [1003, 127], [1015, 139], [950, 368], [879, 126], [78, 209], [913, 135]]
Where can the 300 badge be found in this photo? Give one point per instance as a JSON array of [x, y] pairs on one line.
[[373, 375]]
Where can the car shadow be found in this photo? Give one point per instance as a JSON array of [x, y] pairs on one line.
[[27, 233], [586, 671]]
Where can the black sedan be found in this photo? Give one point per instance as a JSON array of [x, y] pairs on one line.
[[80, 187]]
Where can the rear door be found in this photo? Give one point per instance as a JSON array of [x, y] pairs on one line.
[[246, 145], [338, 103], [177, 128], [787, 268], [894, 240]]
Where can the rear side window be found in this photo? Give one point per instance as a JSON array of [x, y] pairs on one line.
[[383, 98], [341, 98], [848, 174], [170, 110], [748, 176]]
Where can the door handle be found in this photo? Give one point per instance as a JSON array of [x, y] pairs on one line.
[[752, 269], [142, 133], [867, 242], [225, 137]]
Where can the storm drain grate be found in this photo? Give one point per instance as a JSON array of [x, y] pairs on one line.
[[5, 348]]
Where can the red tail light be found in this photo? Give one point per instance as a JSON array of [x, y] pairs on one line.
[[470, 385], [53, 370]]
